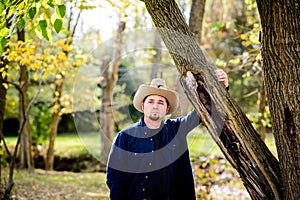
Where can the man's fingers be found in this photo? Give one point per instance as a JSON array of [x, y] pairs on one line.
[[222, 77]]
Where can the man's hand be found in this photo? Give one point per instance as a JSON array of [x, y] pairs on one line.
[[222, 77]]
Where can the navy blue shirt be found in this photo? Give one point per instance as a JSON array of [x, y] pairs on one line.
[[152, 163]]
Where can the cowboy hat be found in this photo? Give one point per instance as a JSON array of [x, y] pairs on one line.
[[156, 87]]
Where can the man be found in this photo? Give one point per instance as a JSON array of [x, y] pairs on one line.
[[150, 159]]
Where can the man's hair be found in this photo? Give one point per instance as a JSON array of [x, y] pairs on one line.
[[158, 95]]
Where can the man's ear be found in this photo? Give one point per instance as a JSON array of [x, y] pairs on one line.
[[142, 106], [168, 108]]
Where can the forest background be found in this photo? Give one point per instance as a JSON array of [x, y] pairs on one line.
[[68, 61]]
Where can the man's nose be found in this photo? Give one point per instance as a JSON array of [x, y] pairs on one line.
[[155, 105]]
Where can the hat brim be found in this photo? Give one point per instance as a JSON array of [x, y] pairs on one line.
[[145, 90]]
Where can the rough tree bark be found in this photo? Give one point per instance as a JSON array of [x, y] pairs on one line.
[[281, 64], [195, 24], [107, 86], [225, 121]]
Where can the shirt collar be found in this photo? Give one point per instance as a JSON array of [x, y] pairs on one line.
[[143, 124]]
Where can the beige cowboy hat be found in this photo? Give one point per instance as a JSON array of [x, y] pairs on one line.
[[156, 87]]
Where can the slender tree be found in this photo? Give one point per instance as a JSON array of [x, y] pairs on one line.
[[108, 83], [156, 59], [25, 141], [225, 121], [59, 82]]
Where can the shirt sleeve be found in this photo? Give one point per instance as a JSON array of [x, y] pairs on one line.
[[116, 179], [190, 121]]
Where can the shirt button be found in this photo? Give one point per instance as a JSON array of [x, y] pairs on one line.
[[150, 163], [145, 133], [143, 189], [146, 177], [151, 139]]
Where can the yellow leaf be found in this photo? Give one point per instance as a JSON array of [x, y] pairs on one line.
[[35, 77], [11, 56], [3, 74], [60, 43], [244, 37], [5, 85], [78, 62], [62, 57], [66, 47], [153, 52], [199, 172]]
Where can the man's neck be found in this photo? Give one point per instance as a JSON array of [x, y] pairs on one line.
[[152, 124]]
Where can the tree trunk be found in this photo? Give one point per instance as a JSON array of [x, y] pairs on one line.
[[59, 81], [281, 63], [156, 59], [25, 142], [107, 85], [225, 121], [106, 115], [196, 18], [262, 110], [55, 120], [195, 24]]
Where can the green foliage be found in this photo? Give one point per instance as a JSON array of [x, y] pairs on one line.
[[21, 23], [40, 123], [3, 42], [42, 27], [61, 10], [12, 103], [231, 38], [256, 117], [16, 13], [32, 12], [58, 25], [51, 3]]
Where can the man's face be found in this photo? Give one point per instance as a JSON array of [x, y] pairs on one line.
[[155, 107]]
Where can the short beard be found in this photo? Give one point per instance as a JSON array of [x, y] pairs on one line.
[[154, 118]]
